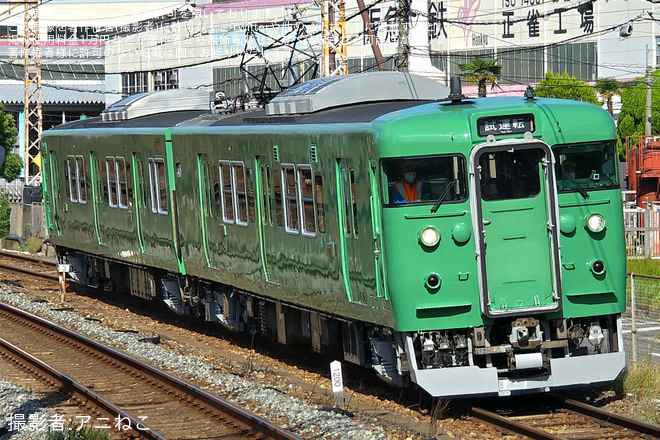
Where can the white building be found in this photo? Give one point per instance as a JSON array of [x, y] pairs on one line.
[[589, 40]]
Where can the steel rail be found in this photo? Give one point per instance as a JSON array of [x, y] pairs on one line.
[[53, 277], [496, 419], [79, 391], [610, 417], [269, 430]]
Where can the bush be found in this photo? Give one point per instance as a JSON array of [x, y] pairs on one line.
[[5, 212], [12, 167]]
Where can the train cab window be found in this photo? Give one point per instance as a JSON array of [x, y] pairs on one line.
[[289, 186], [590, 166], [116, 179], [306, 193], [77, 181], [510, 174], [158, 185], [423, 180]]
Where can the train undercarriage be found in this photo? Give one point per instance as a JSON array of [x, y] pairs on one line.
[[513, 355]]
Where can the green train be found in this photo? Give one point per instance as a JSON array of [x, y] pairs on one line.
[[464, 246]]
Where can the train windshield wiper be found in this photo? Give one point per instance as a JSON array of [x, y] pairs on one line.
[[442, 196], [583, 192]]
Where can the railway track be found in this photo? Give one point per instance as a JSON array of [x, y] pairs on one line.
[[138, 400], [567, 419], [28, 265]]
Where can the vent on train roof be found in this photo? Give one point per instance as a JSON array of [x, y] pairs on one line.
[[323, 93], [151, 103]]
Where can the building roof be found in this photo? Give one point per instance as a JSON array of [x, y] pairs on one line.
[[14, 93]]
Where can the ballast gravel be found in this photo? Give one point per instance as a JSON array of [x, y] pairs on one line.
[[305, 420]]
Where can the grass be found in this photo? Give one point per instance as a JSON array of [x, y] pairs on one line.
[[644, 266], [72, 432], [643, 381]]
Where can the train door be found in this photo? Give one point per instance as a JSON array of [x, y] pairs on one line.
[[205, 202], [377, 232], [264, 209], [97, 193], [351, 264], [515, 222], [52, 193], [140, 200]]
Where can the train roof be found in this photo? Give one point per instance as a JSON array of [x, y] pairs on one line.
[[348, 99]]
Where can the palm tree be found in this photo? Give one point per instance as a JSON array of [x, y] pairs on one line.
[[482, 71], [608, 87]]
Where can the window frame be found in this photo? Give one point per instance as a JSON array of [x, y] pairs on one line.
[[303, 199], [226, 195], [154, 185], [288, 198], [78, 176]]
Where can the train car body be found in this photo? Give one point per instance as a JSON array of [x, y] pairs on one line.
[[505, 274]]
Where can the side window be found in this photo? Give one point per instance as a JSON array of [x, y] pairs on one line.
[[122, 187], [307, 200], [77, 182], [111, 174], [289, 185], [158, 186], [277, 192], [240, 188], [348, 209], [216, 192], [226, 192], [83, 178], [354, 204], [320, 206], [265, 194]]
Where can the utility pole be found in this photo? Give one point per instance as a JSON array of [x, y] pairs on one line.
[[335, 56], [33, 110], [649, 100], [402, 15], [371, 34]]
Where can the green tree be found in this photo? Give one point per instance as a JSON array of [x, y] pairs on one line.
[[12, 167], [632, 117], [8, 130], [481, 72], [608, 87], [566, 86]]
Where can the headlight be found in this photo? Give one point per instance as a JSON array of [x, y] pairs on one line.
[[429, 236], [598, 267], [595, 223]]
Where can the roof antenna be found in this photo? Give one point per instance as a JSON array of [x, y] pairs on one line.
[[455, 90]]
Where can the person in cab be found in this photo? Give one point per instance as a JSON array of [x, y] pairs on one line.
[[409, 188]]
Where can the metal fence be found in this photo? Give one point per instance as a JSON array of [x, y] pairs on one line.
[[641, 322], [642, 231], [14, 193]]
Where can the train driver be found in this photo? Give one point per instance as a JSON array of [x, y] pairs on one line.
[[409, 188]]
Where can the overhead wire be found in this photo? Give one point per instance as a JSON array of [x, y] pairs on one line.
[[501, 52]]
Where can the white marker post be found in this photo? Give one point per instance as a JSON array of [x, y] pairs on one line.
[[62, 269], [337, 383]]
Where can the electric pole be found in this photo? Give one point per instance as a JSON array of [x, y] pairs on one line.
[[335, 55], [32, 110], [649, 100], [402, 15]]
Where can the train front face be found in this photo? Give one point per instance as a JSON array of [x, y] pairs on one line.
[[504, 249]]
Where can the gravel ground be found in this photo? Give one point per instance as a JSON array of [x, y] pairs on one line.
[[307, 421]]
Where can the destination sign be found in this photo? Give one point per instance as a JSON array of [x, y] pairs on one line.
[[507, 124]]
